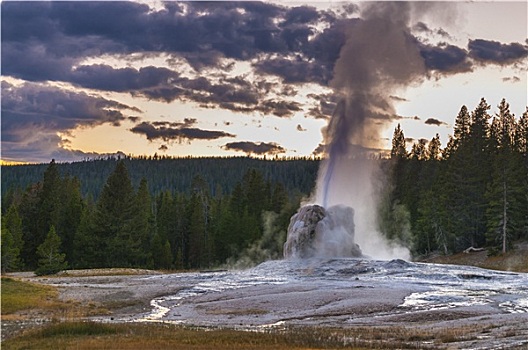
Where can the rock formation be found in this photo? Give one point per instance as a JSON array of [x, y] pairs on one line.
[[316, 232]]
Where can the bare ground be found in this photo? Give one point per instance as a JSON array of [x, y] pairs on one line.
[[118, 296]]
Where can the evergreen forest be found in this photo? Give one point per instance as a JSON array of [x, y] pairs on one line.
[[198, 213]]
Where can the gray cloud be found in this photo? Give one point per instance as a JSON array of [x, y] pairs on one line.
[[104, 77], [513, 79], [398, 98], [496, 52], [295, 71], [179, 132], [50, 41], [434, 121], [255, 148], [445, 58], [32, 114], [35, 106]]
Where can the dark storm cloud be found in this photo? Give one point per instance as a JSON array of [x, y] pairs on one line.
[[280, 108], [496, 52], [237, 30], [135, 28], [33, 114], [257, 148], [445, 58], [295, 71], [434, 121], [301, 15], [235, 94], [104, 77], [449, 59], [180, 132], [46, 40], [50, 109], [50, 41]]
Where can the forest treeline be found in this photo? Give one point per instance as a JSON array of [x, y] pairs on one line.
[[196, 213], [168, 173], [473, 192], [131, 226]]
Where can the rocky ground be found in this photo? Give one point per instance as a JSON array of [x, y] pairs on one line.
[[343, 296]]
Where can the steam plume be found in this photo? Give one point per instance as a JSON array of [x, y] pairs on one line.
[[379, 58]]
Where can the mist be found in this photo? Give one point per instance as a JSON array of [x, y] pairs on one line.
[[380, 58]]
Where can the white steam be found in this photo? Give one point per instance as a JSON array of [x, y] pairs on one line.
[[379, 59]]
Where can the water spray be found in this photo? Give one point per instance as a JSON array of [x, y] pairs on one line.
[[378, 58]]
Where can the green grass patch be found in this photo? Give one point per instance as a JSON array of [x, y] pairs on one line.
[[17, 295]]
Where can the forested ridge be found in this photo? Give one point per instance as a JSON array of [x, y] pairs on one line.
[[201, 212], [166, 173]]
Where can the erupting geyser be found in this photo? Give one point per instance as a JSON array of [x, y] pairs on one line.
[[378, 60], [316, 232]]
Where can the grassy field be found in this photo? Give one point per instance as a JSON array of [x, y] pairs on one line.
[[28, 301], [90, 335], [18, 296]]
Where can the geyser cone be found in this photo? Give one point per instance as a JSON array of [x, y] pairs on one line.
[[317, 232]]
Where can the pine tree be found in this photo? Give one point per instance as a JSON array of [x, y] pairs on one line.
[[462, 127], [13, 224], [161, 253], [49, 205], [10, 251], [115, 216], [166, 256], [506, 192], [88, 248], [468, 182], [143, 224], [398, 149], [434, 148], [521, 147], [430, 226], [112, 228], [279, 198], [29, 211], [51, 260], [521, 136], [419, 150], [200, 242], [70, 213]]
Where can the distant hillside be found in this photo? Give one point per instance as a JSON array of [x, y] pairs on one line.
[[175, 175]]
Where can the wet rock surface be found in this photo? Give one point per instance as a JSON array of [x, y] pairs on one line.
[[316, 232], [491, 306]]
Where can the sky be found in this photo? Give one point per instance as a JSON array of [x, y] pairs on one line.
[[87, 79]]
